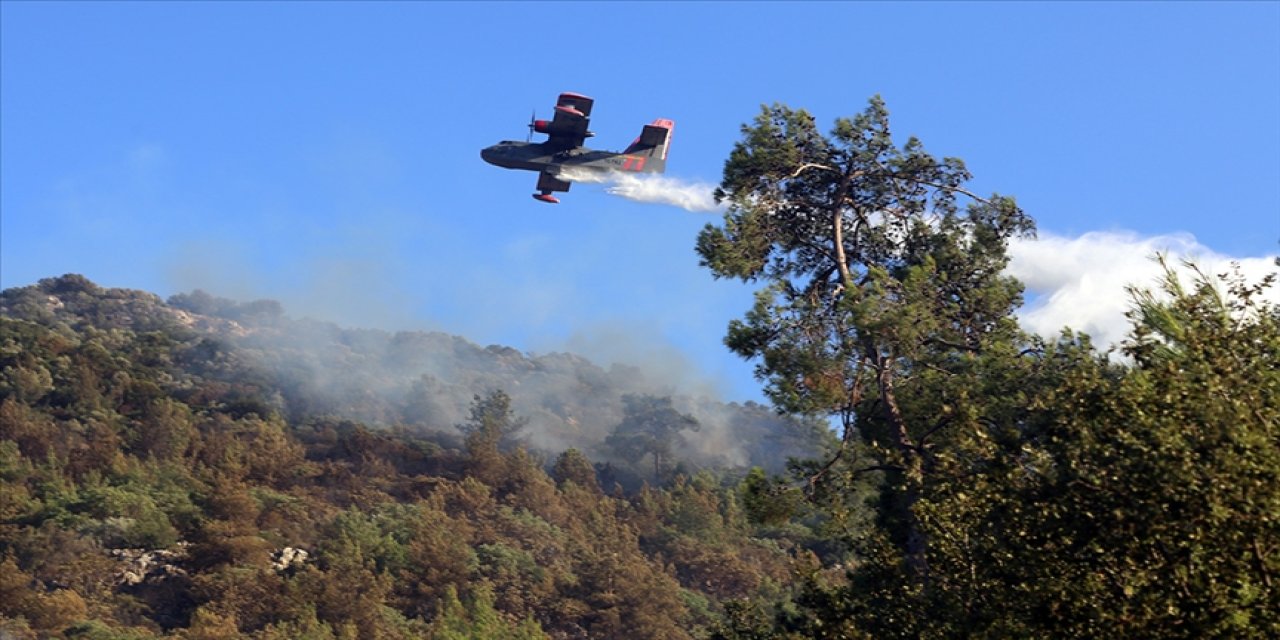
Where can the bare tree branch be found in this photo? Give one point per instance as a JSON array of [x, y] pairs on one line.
[[809, 165]]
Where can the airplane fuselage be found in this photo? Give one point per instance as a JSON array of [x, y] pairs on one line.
[[541, 156]]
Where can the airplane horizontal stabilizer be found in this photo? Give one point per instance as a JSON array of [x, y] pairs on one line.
[[656, 133], [653, 140]]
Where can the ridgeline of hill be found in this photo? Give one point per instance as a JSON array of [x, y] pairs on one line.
[[203, 468], [254, 357]]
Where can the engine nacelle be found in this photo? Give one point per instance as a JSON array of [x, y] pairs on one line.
[[544, 126]]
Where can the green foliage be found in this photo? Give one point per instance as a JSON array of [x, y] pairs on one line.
[[306, 627], [491, 430], [493, 424], [1160, 488], [94, 630], [766, 502], [478, 620], [573, 466], [1125, 500], [127, 517]]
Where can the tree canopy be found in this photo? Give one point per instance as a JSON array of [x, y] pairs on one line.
[[1017, 488], [882, 299]]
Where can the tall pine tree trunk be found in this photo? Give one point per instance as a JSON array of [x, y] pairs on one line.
[[915, 544]]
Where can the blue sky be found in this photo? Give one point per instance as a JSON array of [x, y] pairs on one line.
[[327, 154]]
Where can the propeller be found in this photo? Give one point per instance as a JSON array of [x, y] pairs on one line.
[[533, 119]]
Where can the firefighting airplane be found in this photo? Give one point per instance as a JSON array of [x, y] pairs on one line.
[[563, 148]]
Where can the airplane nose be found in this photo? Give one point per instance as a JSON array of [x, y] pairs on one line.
[[492, 155]]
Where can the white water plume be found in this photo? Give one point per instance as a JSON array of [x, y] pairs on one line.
[[651, 188], [659, 189], [584, 175]]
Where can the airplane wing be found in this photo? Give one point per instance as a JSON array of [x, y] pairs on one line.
[[548, 183], [577, 102], [568, 129]]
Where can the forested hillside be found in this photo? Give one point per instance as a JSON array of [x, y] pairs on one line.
[[302, 368], [207, 469]]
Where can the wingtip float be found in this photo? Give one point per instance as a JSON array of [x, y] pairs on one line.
[[563, 148]]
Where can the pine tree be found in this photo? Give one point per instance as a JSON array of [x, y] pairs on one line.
[[881, 297], [650, 427]]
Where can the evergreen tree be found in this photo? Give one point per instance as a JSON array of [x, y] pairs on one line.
[[492, 424], [883, 302], [650, 427], [491, 430], [572, 466]]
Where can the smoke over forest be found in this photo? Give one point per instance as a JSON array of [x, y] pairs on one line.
[[427, 381]]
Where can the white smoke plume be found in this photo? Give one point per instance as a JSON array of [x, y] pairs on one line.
[[651, 188]]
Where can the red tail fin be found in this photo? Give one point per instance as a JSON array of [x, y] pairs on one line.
[[654, 142]]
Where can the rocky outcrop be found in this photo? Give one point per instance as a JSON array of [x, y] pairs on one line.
[[150, 566], [141, 565], [287, 558]]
